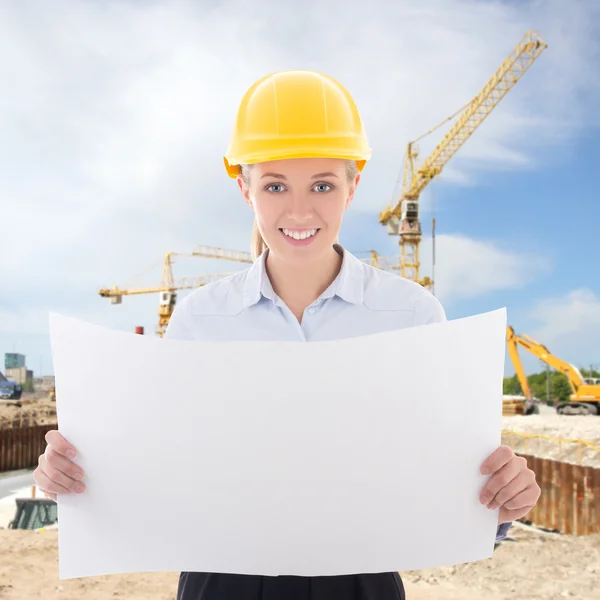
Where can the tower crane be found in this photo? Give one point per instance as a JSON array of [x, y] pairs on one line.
[[168, 287], [402, 219], [585, 398]]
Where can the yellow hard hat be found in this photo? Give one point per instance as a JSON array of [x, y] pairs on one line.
[[296, 114]]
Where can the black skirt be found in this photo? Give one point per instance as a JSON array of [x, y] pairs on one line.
[[212, 586]]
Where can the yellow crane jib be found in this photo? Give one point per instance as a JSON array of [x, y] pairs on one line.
[[402, 217]]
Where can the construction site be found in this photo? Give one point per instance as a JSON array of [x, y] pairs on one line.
[[552, 553]]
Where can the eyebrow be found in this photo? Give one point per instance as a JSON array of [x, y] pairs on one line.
[[281, 176], [276, 175], [328, 174]]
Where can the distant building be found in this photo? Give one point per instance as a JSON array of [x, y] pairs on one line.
[[19, 375], [14, 361], [2, 378]]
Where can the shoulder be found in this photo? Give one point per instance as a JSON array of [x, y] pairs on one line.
[[222, 297], [385, 290]]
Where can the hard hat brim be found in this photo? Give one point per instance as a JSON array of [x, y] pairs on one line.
[[232, 164]]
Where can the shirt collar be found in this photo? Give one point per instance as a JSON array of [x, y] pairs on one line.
[[348, 285]]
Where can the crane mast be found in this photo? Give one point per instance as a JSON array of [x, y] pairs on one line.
[[402, 219]]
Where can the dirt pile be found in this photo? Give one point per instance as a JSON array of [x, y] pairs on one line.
[[556, 426], [28, 411], [536, 566]]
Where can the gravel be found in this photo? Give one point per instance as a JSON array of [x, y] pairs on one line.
[[552, 425]]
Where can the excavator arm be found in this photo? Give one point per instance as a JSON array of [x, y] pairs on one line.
[[513, 352], [539, 350]]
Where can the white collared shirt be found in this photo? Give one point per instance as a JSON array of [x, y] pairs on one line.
[[360, 301]]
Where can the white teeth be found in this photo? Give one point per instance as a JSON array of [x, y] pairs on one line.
[[299, 235]]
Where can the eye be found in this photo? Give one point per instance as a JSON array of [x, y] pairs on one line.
[[319, 187], [275, 185]]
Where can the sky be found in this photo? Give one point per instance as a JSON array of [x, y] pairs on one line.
[[114, 117]]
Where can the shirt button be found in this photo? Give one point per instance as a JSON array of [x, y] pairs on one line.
[[311, 311]]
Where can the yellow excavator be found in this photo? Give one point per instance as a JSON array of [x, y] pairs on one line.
[[585, 399]]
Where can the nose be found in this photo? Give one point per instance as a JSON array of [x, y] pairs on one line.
[[300, 208]]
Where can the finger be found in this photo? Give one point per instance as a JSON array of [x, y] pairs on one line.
[[58, 477], [527, 497], [58, 443], [500, 479], [497, 460], [513, 515], [62, 464], [47, 484], [518, 485]]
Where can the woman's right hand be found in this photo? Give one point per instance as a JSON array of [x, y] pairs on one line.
[[56, 473]]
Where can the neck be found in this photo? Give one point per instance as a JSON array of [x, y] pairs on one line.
[[300, 286]]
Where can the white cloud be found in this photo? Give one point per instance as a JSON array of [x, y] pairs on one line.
[[569, 326], [467, 267], [21, 322], [114, 117]]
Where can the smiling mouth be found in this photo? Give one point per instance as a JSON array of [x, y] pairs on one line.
[[296, 234]]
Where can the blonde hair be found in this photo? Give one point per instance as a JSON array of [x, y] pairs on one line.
[[257, 243]]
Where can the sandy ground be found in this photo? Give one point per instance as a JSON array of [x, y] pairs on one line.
[[34, 409], [535, 566]]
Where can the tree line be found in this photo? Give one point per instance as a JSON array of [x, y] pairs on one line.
[[560, 389]]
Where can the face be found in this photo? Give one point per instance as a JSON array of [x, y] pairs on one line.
[[299, 204]]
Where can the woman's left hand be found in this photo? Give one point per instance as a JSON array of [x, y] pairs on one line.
[[512, 486]]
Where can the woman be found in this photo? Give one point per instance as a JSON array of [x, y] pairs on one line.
[[297, 151]]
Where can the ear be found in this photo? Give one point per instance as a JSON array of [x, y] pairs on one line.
[[245, 191], [352, 191]]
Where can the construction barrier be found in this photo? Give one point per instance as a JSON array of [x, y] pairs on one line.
[[570, 499], [574, 451], [20, 447]]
